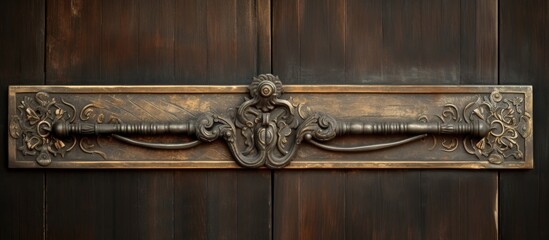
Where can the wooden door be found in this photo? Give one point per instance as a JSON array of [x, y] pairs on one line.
[[304, 42], [385, 42]]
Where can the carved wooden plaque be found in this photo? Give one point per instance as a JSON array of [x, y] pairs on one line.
[[270, 125]]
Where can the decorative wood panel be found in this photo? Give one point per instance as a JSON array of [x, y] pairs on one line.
[[306, 127]]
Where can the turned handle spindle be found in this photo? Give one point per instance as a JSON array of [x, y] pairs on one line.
[[64, 129], [477, 129]]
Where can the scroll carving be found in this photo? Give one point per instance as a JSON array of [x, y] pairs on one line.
[[266, 129]]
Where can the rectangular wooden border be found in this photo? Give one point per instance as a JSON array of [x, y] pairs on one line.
[[386, 89]]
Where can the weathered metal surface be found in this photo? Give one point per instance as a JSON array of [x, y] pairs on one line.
[[306, 127]]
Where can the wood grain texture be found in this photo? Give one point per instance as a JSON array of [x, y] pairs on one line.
[[524, 59], [73, 42], [459, 205], [100, 204], [223, 204], [21, 62], [166, 42], [222, 42], [119, 60], [479, 51], [91, 205], [388, 201], [390, 42]]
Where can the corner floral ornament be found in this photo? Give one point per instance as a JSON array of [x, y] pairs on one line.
[[33, 127], [266, 130]]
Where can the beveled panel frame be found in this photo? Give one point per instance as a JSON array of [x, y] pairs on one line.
[[411, 104]]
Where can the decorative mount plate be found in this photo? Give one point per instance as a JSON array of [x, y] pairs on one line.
[[351, 126]]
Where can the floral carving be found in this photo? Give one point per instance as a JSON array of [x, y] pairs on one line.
[[508, 122], [33, 124]]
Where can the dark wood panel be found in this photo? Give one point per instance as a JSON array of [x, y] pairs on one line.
[[119, 60], [222, 42], [155, 201], [156, 42], [91, 205], [286, 205], [224, 204], [191, 45], [21, 62], [190, 205], [286, 42], [322, 205], [390, 201], [364, 41], [309, 205], [478, 43], [391, 42], [524, 59], [459, 205], [421, 42], [73, 42], [254, 199]]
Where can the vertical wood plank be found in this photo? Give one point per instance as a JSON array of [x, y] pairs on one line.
[[156, 42], [442, 221], [383, 205], [524, 59], [222, 205], [254, 204], [191, 196], [364, 42], [400, 205], [286, 204], [479, 205], [362, 209], [221, 40], [264, 28], [421, 42], [460, 205], [156, 204], [322, 37], [322, 205], [73, 42], [119, 60], [21, 62], [286, 41], [479, 51], [91, 205], [191, 45]]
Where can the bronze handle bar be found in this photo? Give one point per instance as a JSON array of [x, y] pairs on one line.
[[476, 129], [64, 129], [421, 129]]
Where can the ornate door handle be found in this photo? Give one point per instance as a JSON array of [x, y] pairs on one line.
[[267, 129]]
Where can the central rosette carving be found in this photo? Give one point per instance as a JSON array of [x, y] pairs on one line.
[[265, 126]]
